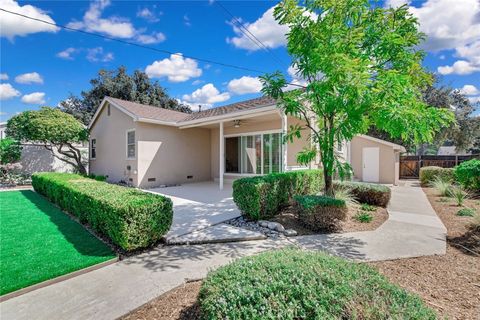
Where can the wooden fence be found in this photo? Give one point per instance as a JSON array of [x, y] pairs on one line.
[[410, 165]]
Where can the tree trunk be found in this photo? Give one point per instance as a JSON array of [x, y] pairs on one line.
[[81, 169], [328, 183]]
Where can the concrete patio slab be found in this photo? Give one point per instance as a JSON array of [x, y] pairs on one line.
[[218, 233]]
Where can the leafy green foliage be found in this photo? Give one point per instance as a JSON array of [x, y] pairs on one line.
[[137, 87], [459, 195], [369, 193], [263, 197], [346, 195], [363, 217], [362, 67], [367, 207], [296, 284], [10, 151], [443, 187], [56, 130], [320, 213], [131, 218], [468, 174], [466, 212], [429, 174]]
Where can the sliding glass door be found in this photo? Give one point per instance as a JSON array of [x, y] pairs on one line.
[[253, 154]]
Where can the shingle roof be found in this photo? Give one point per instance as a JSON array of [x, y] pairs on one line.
[[150, 112], [162, 114]]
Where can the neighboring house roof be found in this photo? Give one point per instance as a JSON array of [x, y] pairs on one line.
[[391, 144]]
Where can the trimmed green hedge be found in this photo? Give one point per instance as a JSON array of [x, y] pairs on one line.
[[297, 284], [430, 174], [468, 175], [369, 193], [262, 197], [320, 212], [131, 218]]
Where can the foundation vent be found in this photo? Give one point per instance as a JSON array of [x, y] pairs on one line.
[[151, 179]]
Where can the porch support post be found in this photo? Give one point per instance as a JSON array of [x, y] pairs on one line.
[[221, 157], [284, 145]]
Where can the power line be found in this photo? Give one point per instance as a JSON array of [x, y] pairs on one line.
[[228, 65], [248, 33]]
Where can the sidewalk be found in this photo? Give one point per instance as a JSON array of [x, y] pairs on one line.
[[413, 229]]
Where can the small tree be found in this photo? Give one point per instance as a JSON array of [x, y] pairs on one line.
[[362, 68], [56, 130], [10, 151]]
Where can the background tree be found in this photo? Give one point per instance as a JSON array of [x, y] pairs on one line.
[[118, 84], [363, 68], [56, 130], [10, 151]]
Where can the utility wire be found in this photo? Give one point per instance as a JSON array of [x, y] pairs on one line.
[[223, 64]]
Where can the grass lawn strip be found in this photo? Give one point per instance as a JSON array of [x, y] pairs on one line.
[[39, 242]]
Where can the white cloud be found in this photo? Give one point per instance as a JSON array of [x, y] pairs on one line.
[[460, 67], [396, 3], [176, 68], [186, 21], [196, 106], [474, 100], [34, 98], [197, 82], [7, 91], [207, 94], [152, 38], [29, 78], [67, 53], [245, 85], [3, 76], [470, 62], [12, 25], [469, 90], [148, 15], [97, 54]]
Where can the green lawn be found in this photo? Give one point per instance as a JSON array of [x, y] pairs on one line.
[[39, 242]]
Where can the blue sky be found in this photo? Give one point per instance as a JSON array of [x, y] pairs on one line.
[[41, 65]]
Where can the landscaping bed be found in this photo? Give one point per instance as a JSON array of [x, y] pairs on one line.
[[449, 283], [39, 242]]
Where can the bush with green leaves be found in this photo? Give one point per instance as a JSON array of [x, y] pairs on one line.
[[369, 193], [466, 212], [297, 284], [363, 217], [429, 174], [264, 196], [320, 213], [131, 218], [468, 175], [367, 207], [459, 195], [442, 186], [10, 151]]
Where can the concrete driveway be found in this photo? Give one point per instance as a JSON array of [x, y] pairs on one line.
[[197, 206]]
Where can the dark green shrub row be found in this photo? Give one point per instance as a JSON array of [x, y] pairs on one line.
[[369, 193], [468, 174], [131, 218], [296, 284], [97, 177], [262, 197], [430, 174], [320, 212]]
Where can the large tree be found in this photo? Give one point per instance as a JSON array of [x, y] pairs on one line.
[[59, 133], [119, 84], [362, 68]]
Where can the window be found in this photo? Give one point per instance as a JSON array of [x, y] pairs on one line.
[[93, 149], [131, 144]]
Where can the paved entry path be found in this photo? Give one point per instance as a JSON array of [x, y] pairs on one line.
[[413, 229]]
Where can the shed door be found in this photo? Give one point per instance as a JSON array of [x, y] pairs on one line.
[[371, 164]]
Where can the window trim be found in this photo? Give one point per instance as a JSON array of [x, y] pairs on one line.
[[91, 148], [127, 144]]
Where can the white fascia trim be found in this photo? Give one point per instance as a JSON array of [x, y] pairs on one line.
[[165, 123], [393, 145], [233, 115]]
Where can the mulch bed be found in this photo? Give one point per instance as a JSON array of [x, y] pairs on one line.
[[288, 219]]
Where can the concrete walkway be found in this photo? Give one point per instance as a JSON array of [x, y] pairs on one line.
[[413, 229]]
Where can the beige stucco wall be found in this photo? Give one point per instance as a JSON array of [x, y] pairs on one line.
[[388, 158], [171, 155], [111, 160]]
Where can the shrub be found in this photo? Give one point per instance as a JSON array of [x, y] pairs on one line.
[[10, 151], [129, 217], [363, 217], [429, 174], [263, 197], [466, 212], [320, 212], [443, 187], [369, 193], [296, 284], [468, 175], [367, 207], [459, 195], [97, 177], [346, 195]]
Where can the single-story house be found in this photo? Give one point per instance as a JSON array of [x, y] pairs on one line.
[[148, 146]]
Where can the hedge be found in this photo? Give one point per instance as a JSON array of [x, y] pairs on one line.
[[263, 197], [430, 174], [468, 175], [320, 212], [297, 284], [131, 218], [369, 193]]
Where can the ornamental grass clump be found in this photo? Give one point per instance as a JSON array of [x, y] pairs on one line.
[[459, 195], [443, 187]]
